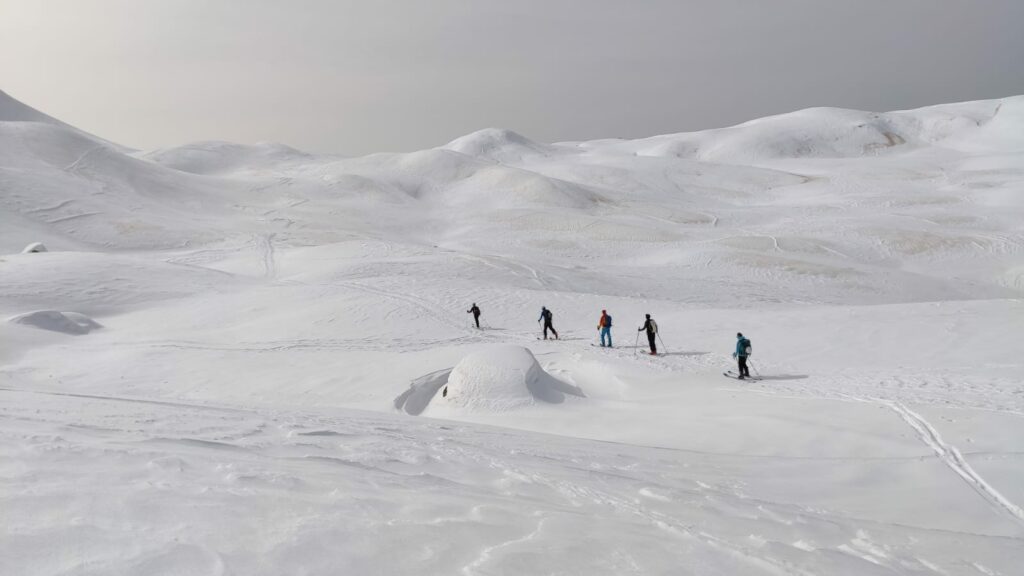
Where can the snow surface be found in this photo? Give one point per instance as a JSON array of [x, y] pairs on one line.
[[266, 393]]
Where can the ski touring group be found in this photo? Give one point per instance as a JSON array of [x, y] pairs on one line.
[[741, 354]]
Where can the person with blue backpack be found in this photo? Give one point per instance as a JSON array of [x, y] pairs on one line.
[[604, 325], [743, 350]]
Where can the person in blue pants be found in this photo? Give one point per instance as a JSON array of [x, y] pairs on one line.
[[605, 326]]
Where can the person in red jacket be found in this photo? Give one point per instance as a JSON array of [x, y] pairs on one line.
[[605, 326]]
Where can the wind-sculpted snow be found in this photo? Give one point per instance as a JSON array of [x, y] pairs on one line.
[[214, 368], [66, 322], [496, 379]]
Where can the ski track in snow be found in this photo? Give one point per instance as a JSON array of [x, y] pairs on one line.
[[955, 460], [266, 244], [73, 167]]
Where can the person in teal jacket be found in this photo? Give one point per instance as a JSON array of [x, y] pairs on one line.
[[741, 353]]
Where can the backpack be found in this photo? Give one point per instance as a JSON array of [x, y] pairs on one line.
[[747, 349], [607, 320], [654, 326], [547, 315]]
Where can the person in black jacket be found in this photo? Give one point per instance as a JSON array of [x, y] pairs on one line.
[[546, 315], [475, 311], [652, 333]]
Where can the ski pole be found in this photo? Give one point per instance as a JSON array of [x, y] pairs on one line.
[[754, 367], [636, 345], [663, 347]]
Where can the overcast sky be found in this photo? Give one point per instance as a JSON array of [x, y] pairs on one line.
[[392, 75]]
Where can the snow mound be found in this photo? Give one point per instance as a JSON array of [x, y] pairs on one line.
[[498, 145], [495, 379], [34, 248], [499, 379], [65, 322]]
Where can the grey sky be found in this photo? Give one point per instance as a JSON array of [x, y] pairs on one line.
[[358, 77]]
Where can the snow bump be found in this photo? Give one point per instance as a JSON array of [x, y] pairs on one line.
[[496, 379], [66, 322]]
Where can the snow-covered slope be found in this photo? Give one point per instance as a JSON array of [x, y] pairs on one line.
[[247, 359], [841, 133], [12, 110], [226, 157]]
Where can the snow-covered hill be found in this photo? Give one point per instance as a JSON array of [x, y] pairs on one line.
[[248, 359]]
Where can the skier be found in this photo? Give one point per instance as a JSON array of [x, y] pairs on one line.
[[741, 353], [475, 311], [652, 333], [545, 315], [605, 326]]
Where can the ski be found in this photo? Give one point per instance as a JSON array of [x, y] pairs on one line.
[[735, 376]]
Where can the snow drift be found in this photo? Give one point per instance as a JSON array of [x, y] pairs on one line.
[[501, 378], [66, 322], [496, 379]]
